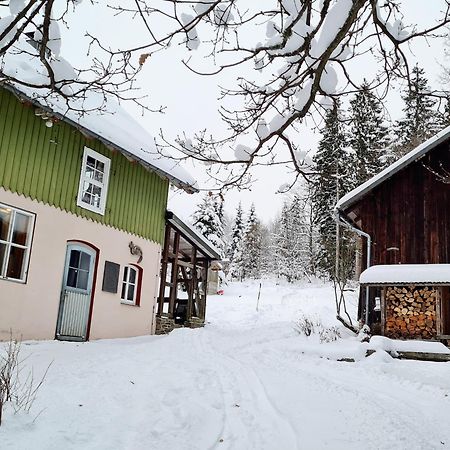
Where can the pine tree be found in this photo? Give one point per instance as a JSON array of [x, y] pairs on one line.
[[251, 254], [444, 117], [312, 234], [220, 211], [420, 120], [298, 234], [291, 241], [282, 244], [333, 180], [267, 260], [234, 251], [368, 137], [237, 264], [207, 221]]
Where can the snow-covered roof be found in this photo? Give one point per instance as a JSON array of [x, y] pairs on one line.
[[359, 192], [406, 274], [103, 119]]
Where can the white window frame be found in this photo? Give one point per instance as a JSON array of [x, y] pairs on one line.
[[127, 285], [102, 185], [9, 244]]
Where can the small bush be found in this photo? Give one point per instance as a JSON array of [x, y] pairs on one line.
[[18, 390], [307, 327], [329, 334]]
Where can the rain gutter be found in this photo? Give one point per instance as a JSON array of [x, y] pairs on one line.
[[339, 219]]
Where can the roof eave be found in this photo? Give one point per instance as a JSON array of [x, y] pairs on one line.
[[405, 283], [407, 160], [190, 189], [197, 240]]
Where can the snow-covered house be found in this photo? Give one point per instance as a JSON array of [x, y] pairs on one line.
[[82, 217], [403, 216]]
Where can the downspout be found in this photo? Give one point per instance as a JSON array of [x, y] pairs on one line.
[[339, 219]]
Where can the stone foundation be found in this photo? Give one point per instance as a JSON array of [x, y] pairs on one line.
[[195, 322], [410, 312], [164, 325]]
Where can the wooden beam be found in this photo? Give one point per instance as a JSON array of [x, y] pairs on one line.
[[164, 263], [202, 297], [174, 276], [417, 356], [438, 300], [192, 285], [421, 356], [185, 264]]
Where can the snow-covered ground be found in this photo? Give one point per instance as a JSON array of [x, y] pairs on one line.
[[247, 381]]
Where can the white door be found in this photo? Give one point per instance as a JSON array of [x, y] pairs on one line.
[[76, 293]]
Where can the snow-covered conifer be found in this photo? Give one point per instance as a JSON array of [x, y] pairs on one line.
[[206, 220], [267, 260], [291, 243], [421, 120], [234, 251], [252, 242], [368, 137], [333, 180], [282, 244], [444, 117]]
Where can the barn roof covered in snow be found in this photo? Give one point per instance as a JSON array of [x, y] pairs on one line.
[[414, 155], [406, 274], [95, 114]]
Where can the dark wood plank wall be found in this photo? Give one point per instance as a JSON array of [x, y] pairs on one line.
[[410, 211]]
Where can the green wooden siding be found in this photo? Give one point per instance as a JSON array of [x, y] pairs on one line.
[[44, 164]]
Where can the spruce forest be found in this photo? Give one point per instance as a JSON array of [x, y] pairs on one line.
[[356, 143]]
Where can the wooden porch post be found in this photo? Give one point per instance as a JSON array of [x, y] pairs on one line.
[[174, 275], [193, 284], [164, 262], [202, 304]]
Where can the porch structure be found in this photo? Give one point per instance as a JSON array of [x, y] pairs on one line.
[[186, 258]]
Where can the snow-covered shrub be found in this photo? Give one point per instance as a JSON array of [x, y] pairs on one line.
[[308, 326], [329, 334]]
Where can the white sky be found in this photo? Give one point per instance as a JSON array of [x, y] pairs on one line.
[[192, 103]]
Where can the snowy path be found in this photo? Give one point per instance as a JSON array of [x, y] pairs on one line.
[[247, 381]]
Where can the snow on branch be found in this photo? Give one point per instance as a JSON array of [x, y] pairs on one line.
[[295, 58]]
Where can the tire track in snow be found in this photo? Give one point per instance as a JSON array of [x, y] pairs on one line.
[[251, 419], [354, 403], [399, 417]]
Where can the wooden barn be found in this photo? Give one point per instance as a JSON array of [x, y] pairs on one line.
[[403, 217]]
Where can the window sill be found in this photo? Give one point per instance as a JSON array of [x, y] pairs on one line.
[[100, 212], [13, 280], [123, 302]]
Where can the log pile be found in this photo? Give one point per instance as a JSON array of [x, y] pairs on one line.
[[411, 312]]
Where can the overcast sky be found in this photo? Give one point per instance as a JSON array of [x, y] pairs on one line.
[[191, 101]]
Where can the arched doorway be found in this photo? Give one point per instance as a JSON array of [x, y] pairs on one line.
[[76, 292]]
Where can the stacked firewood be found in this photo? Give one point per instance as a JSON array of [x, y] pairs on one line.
[[411, 312]]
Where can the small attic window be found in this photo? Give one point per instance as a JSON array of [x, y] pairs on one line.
[[94, 178]]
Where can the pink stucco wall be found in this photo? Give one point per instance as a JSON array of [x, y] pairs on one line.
[[30, 310]]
